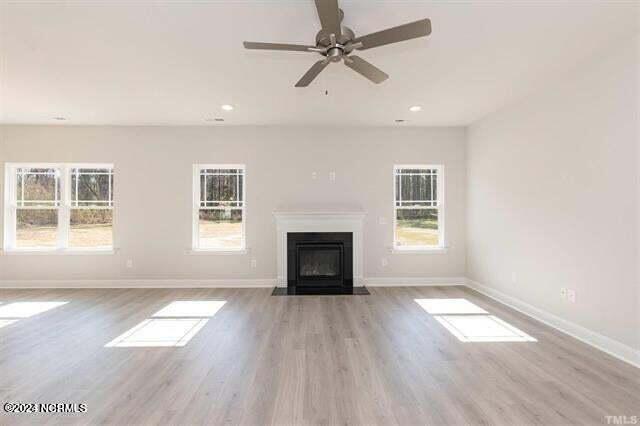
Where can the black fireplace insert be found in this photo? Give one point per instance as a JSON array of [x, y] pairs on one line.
[[320, 263]]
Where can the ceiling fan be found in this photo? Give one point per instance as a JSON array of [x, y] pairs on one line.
[[336, 42]]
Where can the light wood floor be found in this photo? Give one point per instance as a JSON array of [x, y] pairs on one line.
[[378, 359]]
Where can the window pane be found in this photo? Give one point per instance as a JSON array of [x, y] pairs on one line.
[[36, 228], [417, 227], [223, 171], [91, 228], [416, 188], [36, 187], [222, 187], [91, 187], [416, 171], [220, 229], [203, 189]]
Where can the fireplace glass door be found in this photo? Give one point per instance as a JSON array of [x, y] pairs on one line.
[[320, 264], [319, 261]]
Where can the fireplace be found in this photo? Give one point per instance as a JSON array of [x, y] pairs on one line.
[[319, 263]]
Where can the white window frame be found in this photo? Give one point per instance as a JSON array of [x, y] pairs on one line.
[[195, 231], [440, 207], [64, 208]]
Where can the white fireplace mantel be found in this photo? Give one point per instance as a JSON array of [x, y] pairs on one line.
[[319, 219]]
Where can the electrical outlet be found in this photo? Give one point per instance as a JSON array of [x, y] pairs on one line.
[[129, 263], [514, 277], [382, 220], [571, 295], [384, 262], [563, 292], [254, 262], [332, 176], [314, 175]]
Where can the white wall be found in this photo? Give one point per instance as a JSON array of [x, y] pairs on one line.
[[553, 195], [153, 193]]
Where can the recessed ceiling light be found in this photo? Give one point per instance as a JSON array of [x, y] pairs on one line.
[[59, 118], [415, 108], [214, 119], [227, 107]]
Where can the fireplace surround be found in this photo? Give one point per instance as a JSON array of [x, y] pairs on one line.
[[319, 219]]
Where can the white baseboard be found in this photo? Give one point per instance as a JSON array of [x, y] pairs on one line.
[[612, 347], [148, 283], [413, 282], [215, 283]]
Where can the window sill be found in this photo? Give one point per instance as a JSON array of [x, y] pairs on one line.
[[427, 250], [215, 252], [58, 252]]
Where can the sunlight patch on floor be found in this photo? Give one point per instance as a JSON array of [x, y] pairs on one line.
[[450, 306], [5, 322], [18, 310], [172, 326], [190, 308], [482, 328], [15, 311], [470, 323], [159, 332], [27, 309]]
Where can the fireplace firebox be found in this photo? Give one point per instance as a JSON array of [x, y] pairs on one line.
[[319, 263]]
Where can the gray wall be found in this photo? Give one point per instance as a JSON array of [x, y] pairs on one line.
[[279, 164], [553, 197]]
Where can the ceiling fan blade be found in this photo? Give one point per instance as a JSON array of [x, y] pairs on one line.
[[329, 14], [393, 35], [364, 68], [312, 73], [277, 46]]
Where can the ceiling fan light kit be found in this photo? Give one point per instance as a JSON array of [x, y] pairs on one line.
[[336, 43]]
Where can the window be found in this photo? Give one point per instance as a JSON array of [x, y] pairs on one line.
[[219, 210], [418, 208], [59, 207], [37, 205], [91, 208]]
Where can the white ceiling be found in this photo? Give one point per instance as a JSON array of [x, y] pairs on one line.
[[176, 62]]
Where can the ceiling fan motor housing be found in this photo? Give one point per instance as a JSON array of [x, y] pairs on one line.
[[323, 38]]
